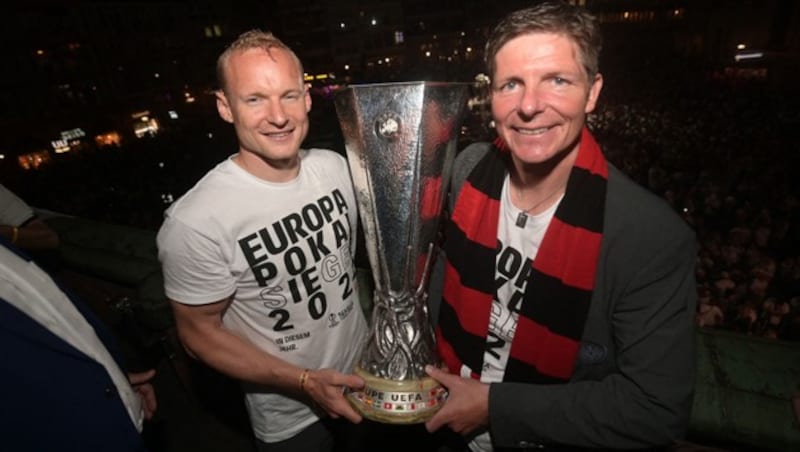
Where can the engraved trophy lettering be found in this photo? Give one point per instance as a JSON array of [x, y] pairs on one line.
[[401, 139]]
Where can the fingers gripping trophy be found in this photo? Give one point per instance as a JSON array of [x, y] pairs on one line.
[[400, 139]]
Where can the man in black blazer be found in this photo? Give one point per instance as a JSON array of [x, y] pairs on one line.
[[568, 300]]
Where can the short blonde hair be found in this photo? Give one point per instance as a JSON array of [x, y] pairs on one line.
[[253, 39]]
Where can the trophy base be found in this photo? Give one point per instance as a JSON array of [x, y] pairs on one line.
[[397, 402]]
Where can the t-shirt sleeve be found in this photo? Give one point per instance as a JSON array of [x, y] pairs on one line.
[[194, 267]]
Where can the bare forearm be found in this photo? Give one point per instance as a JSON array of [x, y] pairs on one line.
[[201, 330], [239, 358], [33, 235]]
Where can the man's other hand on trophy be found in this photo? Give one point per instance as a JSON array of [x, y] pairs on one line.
[[326, 388]]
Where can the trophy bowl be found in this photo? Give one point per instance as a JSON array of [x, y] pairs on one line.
[[401, 140]]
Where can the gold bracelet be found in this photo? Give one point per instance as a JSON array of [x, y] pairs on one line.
[[14, 234], [303, 379]]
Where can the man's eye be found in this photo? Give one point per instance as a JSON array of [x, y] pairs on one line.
[[560, 81], [252, 100], [508, 86]]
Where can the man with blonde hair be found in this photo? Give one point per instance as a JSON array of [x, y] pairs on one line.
[[258, 256]]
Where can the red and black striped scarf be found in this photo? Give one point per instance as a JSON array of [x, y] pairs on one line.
[[559, 288]]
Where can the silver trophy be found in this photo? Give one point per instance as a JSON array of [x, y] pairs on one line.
[[401, 139]]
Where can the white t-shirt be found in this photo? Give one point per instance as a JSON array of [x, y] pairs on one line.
[[518, 248], [285, 251]]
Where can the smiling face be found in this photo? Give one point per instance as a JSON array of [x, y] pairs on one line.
[[266, 101], [541, 94]]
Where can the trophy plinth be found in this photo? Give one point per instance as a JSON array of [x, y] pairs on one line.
[[397, 401], [401, 140]]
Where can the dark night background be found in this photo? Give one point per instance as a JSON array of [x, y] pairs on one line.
[[700, 104], [675, 98]]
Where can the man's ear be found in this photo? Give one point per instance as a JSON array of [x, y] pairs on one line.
[[223, 108], [307, 96], [594, 93]]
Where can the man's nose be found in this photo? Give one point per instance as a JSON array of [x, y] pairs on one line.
[[530, 102], [276, 114]]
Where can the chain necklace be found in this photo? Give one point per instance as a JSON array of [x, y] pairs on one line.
[[522, 218]]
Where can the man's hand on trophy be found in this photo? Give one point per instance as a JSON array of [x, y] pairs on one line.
[[326, 387], [467, 405]]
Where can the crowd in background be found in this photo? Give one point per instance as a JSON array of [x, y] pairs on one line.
[[719, 152]]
